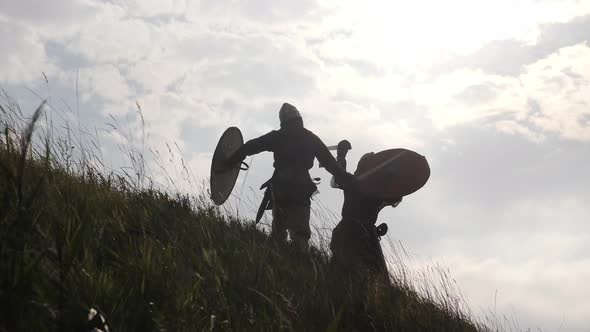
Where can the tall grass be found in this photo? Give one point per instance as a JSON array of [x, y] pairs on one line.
[[75, 235]]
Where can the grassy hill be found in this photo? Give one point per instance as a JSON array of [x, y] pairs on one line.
[[72, 238]]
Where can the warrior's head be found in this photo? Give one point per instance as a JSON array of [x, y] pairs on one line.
[[289, 113]]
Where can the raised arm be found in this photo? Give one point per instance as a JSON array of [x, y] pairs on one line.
[[341, 152], [328, 161]]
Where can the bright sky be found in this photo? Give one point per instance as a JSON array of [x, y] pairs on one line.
[[495, 94]]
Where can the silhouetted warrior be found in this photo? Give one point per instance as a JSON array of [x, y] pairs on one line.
[[355, 240], [291, 186]]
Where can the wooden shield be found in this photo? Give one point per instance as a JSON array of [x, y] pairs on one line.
[[222, 180], [392, 174]]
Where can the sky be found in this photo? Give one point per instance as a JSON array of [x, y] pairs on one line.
[[495, 94]]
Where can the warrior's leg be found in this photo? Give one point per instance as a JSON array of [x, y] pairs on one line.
[[376, 261], [340, 245], [298, 223], [279, 223]]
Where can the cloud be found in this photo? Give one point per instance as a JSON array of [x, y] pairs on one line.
[[549, 98], [35, 12], [152, 8], [252, 66], [364, 68], [24, 57], [155, 76], [537, 293], [486, 184], [467, 95], [510, 56], [559, 88], [267, 11], [516, 128], [105, 82], [112, 38], [486, 166], [478, 93]]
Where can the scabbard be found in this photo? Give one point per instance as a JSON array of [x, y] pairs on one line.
[[266, 203]]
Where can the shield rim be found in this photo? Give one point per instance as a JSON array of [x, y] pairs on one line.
[[375, 193], [212, 172]]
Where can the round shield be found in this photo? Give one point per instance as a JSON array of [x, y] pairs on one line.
[[392, 174], [223, 179]]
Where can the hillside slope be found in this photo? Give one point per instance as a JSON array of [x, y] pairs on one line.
[[72, 240]]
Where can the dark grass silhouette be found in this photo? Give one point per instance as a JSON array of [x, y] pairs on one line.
[[74, 236]]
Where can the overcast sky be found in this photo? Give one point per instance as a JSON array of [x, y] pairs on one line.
[[496, 94]]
